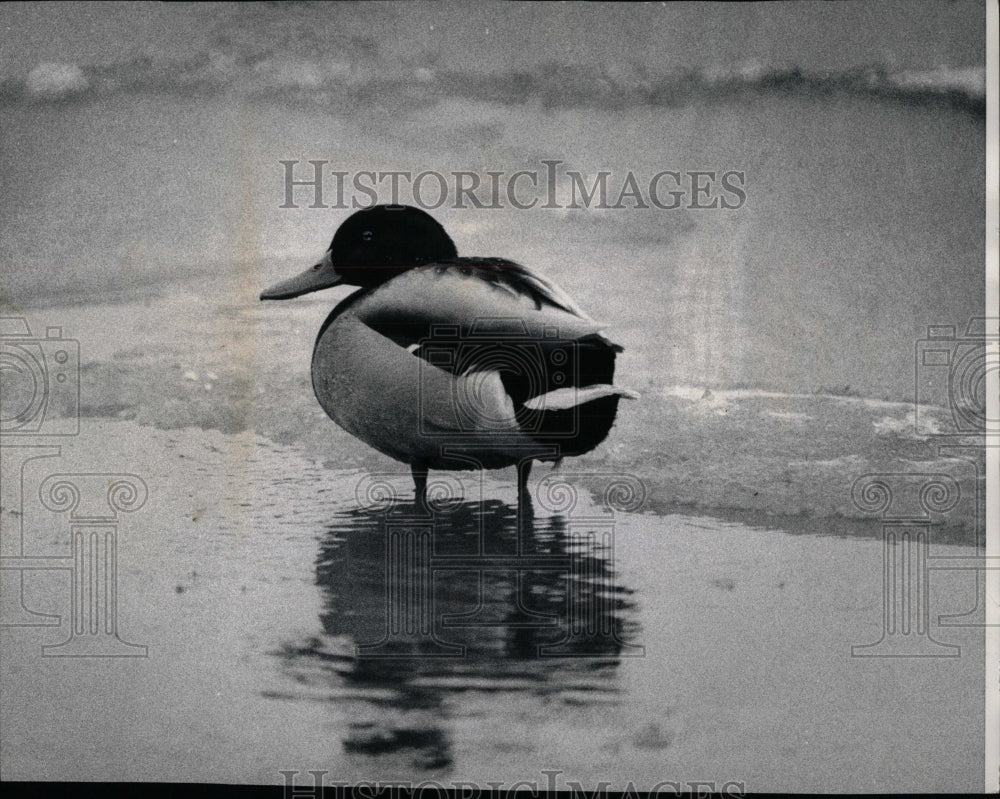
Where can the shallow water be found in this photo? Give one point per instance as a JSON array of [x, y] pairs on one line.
[[602, 645]]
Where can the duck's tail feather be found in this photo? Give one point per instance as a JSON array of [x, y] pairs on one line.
[[565, 398]]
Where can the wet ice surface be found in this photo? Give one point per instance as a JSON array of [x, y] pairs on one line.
[[635, 646]]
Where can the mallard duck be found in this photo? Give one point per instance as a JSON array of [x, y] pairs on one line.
[[444, 362]]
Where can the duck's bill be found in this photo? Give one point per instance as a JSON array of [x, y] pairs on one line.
[[320, 276]]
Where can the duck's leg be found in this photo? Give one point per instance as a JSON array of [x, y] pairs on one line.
[[523, 471], [419, 471], [525, 510]]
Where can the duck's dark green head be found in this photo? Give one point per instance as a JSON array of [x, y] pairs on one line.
[[374, 244], [371, 247]]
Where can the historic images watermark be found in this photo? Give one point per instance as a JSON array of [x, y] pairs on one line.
[[951, 372], [318, 782], [318, 183], [40, 398]]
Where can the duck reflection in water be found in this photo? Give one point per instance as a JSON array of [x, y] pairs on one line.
[[466, 604]]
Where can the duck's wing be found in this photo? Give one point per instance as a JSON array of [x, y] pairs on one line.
[[473, 297], [521, 281]]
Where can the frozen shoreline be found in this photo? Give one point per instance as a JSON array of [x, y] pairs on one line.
[[779, 458]]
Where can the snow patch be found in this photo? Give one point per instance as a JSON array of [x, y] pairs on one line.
[[56, 81]]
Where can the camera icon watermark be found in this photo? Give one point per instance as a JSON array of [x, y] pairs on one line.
[[496, 377], [39, 381], [952, 372]]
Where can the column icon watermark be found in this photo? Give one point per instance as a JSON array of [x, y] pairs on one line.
[[416, 564]]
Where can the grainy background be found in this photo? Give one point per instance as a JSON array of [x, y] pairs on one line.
[[772, 345]]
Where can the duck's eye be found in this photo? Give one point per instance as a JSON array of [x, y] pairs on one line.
[[366, 236]]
